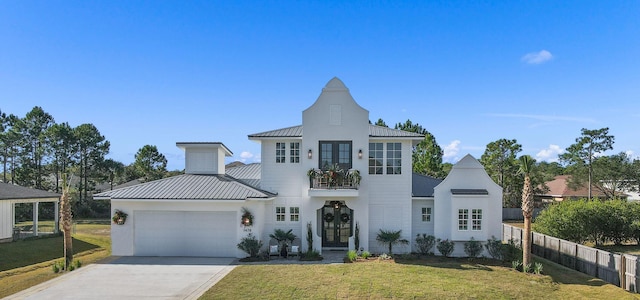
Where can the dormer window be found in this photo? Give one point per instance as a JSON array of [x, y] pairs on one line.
[[335, 152]]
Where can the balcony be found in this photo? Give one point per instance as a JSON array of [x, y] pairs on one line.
[[333, 182]]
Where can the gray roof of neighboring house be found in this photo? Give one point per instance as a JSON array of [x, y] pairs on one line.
[[250, 174], [423, 185], [189, 187], [374, 131], [15, 192], [469, 192]]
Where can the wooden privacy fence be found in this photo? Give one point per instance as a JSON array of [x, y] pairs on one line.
[[619, 269]]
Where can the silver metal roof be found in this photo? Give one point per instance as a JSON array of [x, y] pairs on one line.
[[250, 174], [189, 187], [15, 192], [374, 131]]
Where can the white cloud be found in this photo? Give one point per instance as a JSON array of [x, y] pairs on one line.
[[246, 155], [451, 150], [550, 154], [536, 58]]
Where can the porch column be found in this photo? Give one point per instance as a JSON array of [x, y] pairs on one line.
[[35, 218], [56, 217]]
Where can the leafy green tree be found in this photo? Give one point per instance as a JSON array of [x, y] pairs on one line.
[[526, 168], [92, 148], [150, 163], [500, 161], [113, 170], [614, 174], [34, 147], [390, 238], [381, 122], [9, 143], [580, 156], [427, 155], [549, 170], [63, 150]]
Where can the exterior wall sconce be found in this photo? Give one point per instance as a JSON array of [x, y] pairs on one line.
[[360, 154], [309, 154]]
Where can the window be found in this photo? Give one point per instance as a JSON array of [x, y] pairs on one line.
[[476, 219], [375, 158], [294, 153], [281, 212], [463, 216], [280, 152], [394, 158], [426, 214], [335, 152], [294, 214]]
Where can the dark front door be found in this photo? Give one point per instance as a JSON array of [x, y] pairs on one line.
[[337, 223]]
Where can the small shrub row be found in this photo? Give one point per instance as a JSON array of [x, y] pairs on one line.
[[58, 266]]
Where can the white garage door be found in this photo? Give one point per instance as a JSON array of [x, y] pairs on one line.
[[185, 233]]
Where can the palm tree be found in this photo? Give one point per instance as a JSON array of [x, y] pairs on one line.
[[65, 204], [526, 166], [283, 236], [390, 238]]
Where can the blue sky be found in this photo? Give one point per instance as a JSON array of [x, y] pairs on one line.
[[161, 72]]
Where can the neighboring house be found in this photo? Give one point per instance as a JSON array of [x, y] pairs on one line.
[[10, 195], [199, 213], [559, 190]]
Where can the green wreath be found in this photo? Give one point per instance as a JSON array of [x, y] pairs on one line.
[[345, 218], [328, 217]]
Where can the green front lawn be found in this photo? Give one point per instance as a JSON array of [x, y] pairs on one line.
[[431, 278], [26, 263]]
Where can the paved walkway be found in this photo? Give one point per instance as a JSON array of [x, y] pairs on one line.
[[130, 277], [135, 278]]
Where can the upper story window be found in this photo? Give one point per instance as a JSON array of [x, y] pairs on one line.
[[394, 158], [375, 158], [294, 152], [280, 152], [335, 152]]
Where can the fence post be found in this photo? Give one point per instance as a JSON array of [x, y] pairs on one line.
[[575, 259], [559, 252], [597, 263], [622, 271]]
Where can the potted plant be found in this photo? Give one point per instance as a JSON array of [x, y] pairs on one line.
[[119, 217], [312, 173]]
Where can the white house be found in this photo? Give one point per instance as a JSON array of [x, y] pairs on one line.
[[199, 213]]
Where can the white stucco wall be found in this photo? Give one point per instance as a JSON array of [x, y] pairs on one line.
[[122, 236], [468, 173]]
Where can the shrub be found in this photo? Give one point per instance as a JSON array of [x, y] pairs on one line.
[[384, 256], [526, 268], [250, 245], [537, 268], [310, 255], [516, 264], [366, 254], [473, 248], [352, 255], [495, 248], [309, 237], [56, 267], [510, 251], [77, 264], [390, 238], [425, 243], [445, 247]]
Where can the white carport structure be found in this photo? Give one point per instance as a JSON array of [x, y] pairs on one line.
[[10, 195]]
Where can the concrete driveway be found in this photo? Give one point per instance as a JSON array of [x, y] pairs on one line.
[[135, 278]]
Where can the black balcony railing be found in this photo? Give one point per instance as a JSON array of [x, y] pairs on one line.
[[334, 178]]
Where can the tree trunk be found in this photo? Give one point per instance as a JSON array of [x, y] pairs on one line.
[[527, 212], [65, 203]]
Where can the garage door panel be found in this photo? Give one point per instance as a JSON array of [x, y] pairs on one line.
[[184, 233]]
